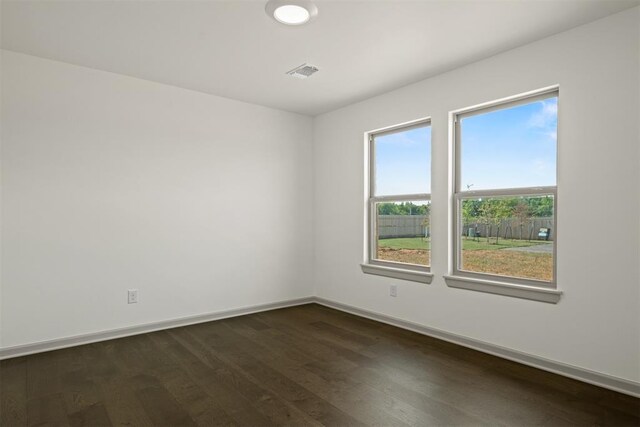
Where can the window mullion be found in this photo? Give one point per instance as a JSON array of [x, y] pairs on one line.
[[402, 198]]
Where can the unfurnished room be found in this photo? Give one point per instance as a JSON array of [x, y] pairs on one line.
[[319, 213]]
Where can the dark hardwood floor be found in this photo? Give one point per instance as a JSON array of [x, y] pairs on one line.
[[306, 365]]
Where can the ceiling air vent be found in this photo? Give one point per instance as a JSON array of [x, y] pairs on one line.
[[303, 71]]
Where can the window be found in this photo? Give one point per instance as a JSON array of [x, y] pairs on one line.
[[399, 202], [505, 197]]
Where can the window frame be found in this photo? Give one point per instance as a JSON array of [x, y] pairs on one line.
[[487, 282], [371, 265]]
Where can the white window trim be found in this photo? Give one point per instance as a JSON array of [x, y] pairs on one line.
[[507, 289], [485, 282], [397, 270]]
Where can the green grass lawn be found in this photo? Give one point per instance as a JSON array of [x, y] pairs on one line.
[[405, 243], [467, 244]]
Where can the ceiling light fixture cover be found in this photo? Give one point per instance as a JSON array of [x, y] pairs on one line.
[[291, 12]]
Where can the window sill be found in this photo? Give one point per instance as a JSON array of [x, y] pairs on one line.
[[507, 289], [398, 273]]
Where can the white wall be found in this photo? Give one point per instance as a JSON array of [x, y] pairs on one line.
[[596, 325], [110, 182]]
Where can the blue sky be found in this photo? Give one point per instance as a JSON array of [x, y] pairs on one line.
[[509, 148], [403, 161]]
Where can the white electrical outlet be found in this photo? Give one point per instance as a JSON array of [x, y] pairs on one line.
[[132, 296], [393, 290]]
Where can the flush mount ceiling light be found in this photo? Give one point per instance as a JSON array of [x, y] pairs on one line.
[[291, 12]]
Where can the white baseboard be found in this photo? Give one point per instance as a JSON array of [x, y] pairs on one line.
[[585, 375], [603, 380], [42, 346]]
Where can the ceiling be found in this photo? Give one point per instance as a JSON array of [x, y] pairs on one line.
[[233, 49]]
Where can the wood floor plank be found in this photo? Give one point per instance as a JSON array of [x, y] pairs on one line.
[[222, 344], [95, 415], [118, 393], [329, 363], [456, 385], [557, 396], [122, 404], [279, 410], [245, 403], [43, 377], [77, 388], [161, 407], [13, 392], [47, 410], [421, 395], [489, 381], [304, 365], [202, 409], [372, 404]]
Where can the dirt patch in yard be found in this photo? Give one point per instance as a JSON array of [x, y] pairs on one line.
[[529, 265], [409, 256]]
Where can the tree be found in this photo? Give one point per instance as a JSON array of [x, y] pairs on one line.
[[403, 208], [486, 215], [522, 213], [471, 212], [492, 213], [388, 209], [503, 211], [426, 209], [540, 206]]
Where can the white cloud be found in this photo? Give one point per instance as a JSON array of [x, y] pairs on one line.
[[546, 117], [553, 135]]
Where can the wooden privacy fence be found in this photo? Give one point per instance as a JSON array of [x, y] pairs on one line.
[[401, 226], [510, 228], [413, 226]]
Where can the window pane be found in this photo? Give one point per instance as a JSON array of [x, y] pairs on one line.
[[403, 232], [403, 162], [508, 236], [510, 148]]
